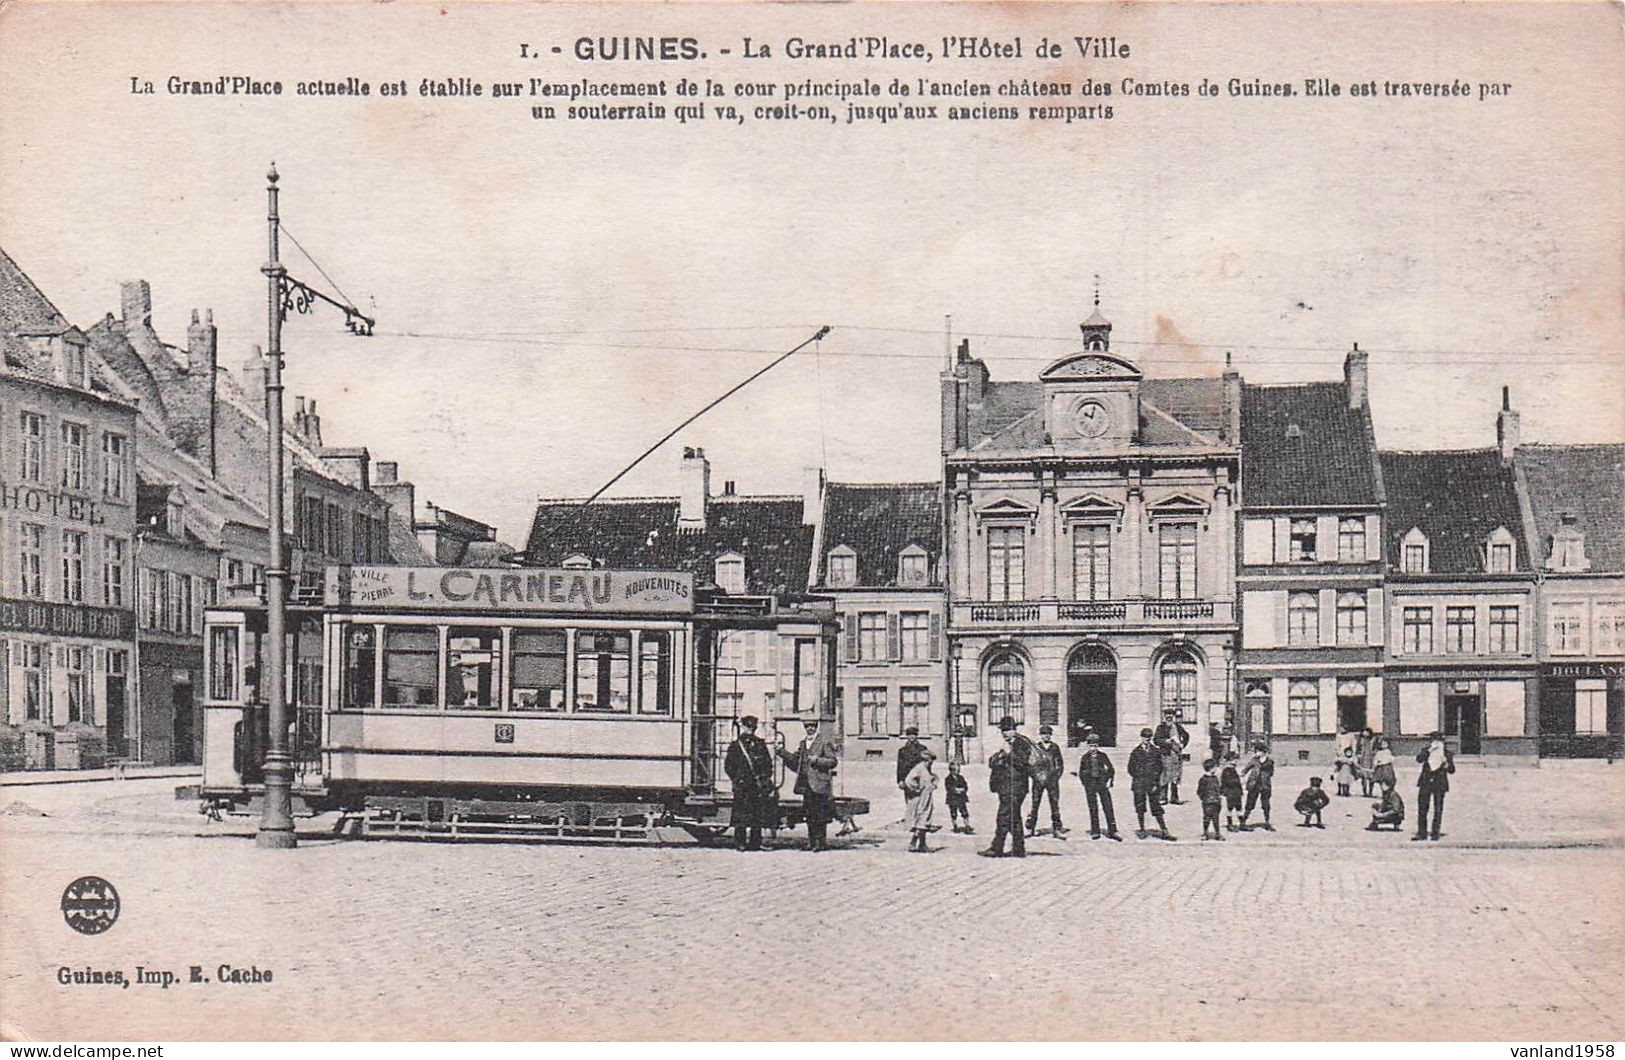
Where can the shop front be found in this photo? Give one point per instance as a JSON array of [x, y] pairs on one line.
[[65, 684], [1582, 710]]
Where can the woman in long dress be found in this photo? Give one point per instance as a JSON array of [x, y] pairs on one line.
[[919, 789]]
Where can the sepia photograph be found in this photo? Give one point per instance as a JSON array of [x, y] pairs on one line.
[[519, 521]]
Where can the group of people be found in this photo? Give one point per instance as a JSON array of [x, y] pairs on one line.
[[1228, 786]]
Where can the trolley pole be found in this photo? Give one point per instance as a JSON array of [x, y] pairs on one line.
[[276, 821]]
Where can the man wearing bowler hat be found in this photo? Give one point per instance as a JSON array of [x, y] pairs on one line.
[[749, 765], [1008, 771], [908, 756], [1431, 784], [1047, 767]]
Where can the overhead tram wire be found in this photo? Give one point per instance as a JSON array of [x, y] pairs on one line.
[[730, 392], [314, 263]]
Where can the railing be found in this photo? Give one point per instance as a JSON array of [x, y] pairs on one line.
[[1094, 612]]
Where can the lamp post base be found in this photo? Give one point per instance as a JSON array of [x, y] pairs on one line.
[[276, 822], [269, 839]]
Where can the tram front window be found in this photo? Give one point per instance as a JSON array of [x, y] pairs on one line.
[[223, 664], [473, 661], [360, 673], [604, 672], [411, 654], [537, 679]]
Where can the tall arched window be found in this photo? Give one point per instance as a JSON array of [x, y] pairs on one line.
[[1303, 619], [1351, 617], [1177, 685], [1006, 689]]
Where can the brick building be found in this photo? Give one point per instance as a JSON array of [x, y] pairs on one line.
[[879, 557], [1310, 575], [1091, 540], [1576, 497], [67, 525]]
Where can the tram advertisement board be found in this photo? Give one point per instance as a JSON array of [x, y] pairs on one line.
[[535, 589]]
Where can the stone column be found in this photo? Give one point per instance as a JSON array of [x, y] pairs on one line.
[[961, 588], [1134, 538], [1046, 536], [1223, 557]]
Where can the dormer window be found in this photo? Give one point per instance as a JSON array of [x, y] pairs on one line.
[[577, 562], [175, 519], [1500, 553], [1568, 546], [1413, 552], [73, 363], [912, 566], [843, 566], [730, 573]]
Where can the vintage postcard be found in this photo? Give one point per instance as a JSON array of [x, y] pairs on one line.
[[866, 521]]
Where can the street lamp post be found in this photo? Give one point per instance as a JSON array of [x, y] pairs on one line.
[[276, 820]]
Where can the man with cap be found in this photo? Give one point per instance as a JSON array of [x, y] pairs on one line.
[[1096, 772], [1047, 767], [908, 756], [814, 764], [1007, 772], [1172, 737], [1145, 770], [1431, 784], [749, 765]]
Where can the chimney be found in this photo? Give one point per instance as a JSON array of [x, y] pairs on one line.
[[812, 495], [313, 426], [696, 490], [975, 373], [1232, 403], [1507, 428], [1357, 377], [202, 340], [385, 472], [135, 297], [253, 372]]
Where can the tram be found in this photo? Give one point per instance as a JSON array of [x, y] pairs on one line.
[[578, 704]]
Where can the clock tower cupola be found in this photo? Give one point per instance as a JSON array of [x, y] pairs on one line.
[[1097, 330]]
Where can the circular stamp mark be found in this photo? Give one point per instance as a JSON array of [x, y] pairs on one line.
[[90, 905]]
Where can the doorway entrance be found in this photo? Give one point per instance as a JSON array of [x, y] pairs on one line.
[[1091, 696], [116, 740], [1464, 719], [183, 728]]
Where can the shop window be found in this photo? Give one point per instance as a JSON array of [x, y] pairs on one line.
[[654, 672], [604, 671], [1303, 707], [1006, 689], [1590, 706], [411, 659], [78, 686], [1303, 620], [1351, 539], [473, 663], [33, 664], [1351, 618], [872, 712], [537, 680]]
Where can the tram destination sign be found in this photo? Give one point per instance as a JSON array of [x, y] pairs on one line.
[[532, 589]]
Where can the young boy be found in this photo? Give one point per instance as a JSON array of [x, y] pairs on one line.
[[1208, 793], [1259, 778], [1311, 801], [1230, 788], [1389, 812], [957, 794]]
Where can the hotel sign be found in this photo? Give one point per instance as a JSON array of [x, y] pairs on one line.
[[58, 505], [66, 620], [531, 590], [1584, 669]]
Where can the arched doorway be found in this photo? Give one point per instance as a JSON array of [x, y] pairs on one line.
[[1091, 695]]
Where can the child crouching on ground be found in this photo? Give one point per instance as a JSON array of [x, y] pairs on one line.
[[1311, 801]]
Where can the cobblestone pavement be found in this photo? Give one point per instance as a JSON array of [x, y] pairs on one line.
[[1308, 936]]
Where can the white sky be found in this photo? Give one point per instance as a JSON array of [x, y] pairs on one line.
[[616, 277]]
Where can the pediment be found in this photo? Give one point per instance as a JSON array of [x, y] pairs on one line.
[[1007, 507], [1177, 503], [1090, 503], [1091, 365]]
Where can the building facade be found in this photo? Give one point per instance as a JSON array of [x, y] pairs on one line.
[[1576, 497], [1311, 565], [879, 557], [1461, 602], [1091, 540], [67, 526], [177, 578]]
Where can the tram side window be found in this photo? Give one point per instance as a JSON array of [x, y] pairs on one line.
[[411, 654], [223, 664], [360, 673], [604, 671], [654, 680], [473, 661], [798, 681], [537, 679]]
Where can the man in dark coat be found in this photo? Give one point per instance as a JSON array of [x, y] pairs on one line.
[[749, 765], [1008, 771], [814, 763], [1431, 784], [909, 755], [1172, 737], [1145, 770], [1097, 773], [1047, 767]]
